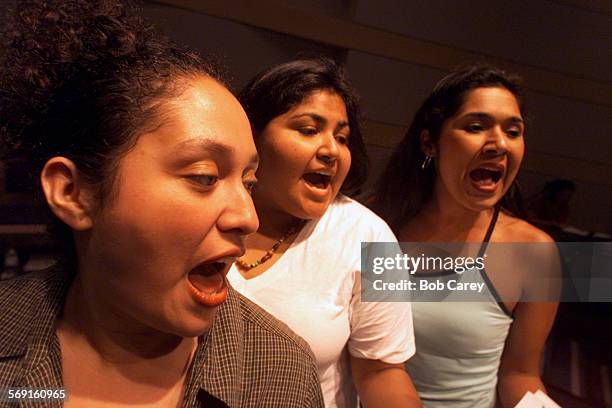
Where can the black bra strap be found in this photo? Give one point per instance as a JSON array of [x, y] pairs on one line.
[[487, 237]]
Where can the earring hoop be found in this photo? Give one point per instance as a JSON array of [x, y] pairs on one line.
[[428, 159]]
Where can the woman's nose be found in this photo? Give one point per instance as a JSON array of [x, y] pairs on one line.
[[239, 214], [496, 142], [328, 150]]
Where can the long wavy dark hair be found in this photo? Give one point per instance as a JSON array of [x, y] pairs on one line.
[[404, 187]]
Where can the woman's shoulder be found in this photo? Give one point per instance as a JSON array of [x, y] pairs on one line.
[[514, 229], [25, 288], [348, 204], [283, 346], [348, 215], [261, 320], [27, 301]]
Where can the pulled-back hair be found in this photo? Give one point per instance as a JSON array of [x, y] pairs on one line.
[[82, 79], [282, 87], [404, 187]]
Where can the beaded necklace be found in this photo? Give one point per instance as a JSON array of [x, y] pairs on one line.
[[292, 230]]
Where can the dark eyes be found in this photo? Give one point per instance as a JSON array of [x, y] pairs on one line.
[[478, 127], [204, 180], [342, 139], [311, 131], [514, 132], [308, 131], [250, 185], [474, 128]]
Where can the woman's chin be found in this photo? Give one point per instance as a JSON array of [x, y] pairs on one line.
[[482, 203], [193, 327], [304, 208], [480, 199], [192, 323], [311, 210]]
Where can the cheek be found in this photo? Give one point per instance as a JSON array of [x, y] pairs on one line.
[[456, 153], [345, 164], [517, 153], [451, 168], [451, 163], [448, 173], [165, 215], [153, 204], [456, 150], [279, 159]]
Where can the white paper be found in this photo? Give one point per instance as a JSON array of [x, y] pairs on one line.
[[529, 400], [536, 400], [546, 400]]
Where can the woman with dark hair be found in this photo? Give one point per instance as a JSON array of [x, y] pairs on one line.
[[452, 179], [303, 264], [146, 162]]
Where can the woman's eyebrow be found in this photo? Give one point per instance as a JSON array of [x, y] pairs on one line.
[[316, 117], [517, 120], [341, 125], [477, 115], [486, 116], [206, 146], [320, 119]]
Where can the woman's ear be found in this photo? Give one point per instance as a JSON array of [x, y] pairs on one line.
[[66, 193], [427, 145]]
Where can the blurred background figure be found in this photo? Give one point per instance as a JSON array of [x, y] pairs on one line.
[[553, 204], [551, 210]]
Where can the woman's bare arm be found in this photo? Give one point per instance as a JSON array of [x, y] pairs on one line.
[[383, 385]]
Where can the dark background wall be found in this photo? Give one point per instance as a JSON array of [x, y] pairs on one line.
[[395, 51]]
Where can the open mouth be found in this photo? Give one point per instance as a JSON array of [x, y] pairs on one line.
[[317, 180], [207, 282], [485, 178]]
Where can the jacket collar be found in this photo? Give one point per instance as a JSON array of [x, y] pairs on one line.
[[31, 305], [222, 355]]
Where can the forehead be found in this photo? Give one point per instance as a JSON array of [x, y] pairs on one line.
[[490, 99], [322, 101], [204, 109]]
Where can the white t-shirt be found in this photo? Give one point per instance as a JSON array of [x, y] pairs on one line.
[[315, 289]]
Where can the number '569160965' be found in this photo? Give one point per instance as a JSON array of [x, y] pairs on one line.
[[15, 394]]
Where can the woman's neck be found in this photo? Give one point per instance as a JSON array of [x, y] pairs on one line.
[[449, 213], [447, 221], [98, 355], [94, 324], [274, 223]]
